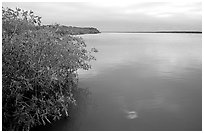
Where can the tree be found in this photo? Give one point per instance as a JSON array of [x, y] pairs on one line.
[[39, 70]]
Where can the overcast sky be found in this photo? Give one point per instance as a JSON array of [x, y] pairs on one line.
[[121, 15]]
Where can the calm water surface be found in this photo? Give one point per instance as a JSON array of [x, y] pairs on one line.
[[142, 82]]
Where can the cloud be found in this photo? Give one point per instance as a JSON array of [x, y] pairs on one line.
[[112, 15], [166, 9]]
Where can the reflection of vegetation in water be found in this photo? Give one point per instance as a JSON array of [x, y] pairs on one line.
[[83, 101], [39, 71]]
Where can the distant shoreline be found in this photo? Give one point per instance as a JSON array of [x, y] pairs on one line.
[[72, 30], [193, 32]]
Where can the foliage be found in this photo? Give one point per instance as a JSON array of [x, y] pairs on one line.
[[39, 70], [72, 30]]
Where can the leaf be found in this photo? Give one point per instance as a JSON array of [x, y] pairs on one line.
[[47, 119], [43, 121]]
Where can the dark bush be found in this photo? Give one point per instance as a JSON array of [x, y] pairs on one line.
[[39, 70]]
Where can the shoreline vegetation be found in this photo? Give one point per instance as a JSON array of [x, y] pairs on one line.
[[39, 70], [193, 32], [71, 30]]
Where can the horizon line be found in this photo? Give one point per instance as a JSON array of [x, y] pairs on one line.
[[162, 31]]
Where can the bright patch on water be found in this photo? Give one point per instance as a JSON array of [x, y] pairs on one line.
[[131, 115]]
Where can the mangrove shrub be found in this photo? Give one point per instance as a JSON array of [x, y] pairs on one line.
[[39, 70]]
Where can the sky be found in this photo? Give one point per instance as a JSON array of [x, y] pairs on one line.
[[140, 15]]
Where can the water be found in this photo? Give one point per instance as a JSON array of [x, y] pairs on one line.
[[142, 81]]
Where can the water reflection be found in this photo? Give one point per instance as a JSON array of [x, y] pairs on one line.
[[151, 77], [165, 54], [142, 82], [131, 114]]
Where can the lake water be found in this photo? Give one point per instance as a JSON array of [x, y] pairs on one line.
[[142, 81]]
